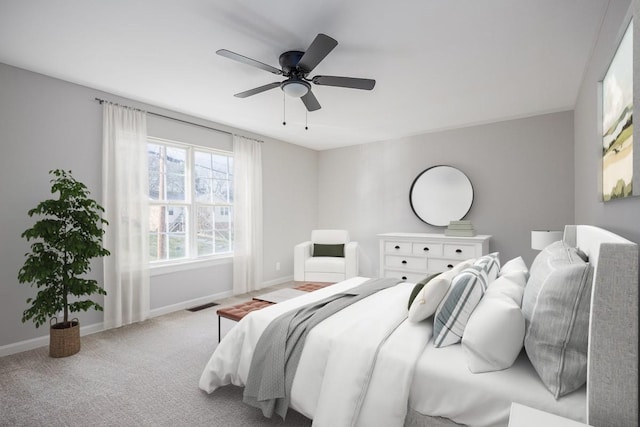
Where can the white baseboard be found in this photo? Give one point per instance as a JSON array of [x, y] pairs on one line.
[[30, 344], [188, 304], [42, 341], [277, 281]]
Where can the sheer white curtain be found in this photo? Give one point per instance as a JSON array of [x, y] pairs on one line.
[[125, 199], [247, 217]]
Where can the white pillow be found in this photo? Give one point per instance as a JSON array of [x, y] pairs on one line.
[[510, 284], [494, 335], [428, 299], [515, 265]]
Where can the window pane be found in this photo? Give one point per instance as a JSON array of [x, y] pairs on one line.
[[223, 222], [220, 191], [153, 157], [231, 180], [204, 224], [176, 160], [205, 245], [176, 187], [202, 163], [177, 246], [154, 185], [153, 246], [167, 237], [203, 189], [221, 165], [176, 219]]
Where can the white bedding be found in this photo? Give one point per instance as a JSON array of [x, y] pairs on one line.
[[340, 380], [443, 386]]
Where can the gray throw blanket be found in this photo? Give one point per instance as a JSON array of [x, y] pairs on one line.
[[277, 353]]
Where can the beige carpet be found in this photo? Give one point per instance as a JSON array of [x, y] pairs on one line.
[[139, 375]]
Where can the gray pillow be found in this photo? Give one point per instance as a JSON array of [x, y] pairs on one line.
[[328, 250], [556, 307]]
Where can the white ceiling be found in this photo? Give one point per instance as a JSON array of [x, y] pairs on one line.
[[439, 64]]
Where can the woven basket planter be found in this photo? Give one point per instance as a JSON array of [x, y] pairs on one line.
[[64, 339]]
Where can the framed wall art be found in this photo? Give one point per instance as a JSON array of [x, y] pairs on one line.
[[617, 123]]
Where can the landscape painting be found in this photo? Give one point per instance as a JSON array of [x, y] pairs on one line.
[[617, 122]]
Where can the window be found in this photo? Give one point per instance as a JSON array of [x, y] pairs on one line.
[[191, 201]]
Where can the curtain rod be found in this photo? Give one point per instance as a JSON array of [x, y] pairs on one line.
[[177, 120]]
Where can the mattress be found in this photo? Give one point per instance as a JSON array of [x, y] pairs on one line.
[[443, 386]]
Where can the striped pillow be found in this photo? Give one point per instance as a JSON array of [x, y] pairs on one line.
[[453, 313], [491, 264]]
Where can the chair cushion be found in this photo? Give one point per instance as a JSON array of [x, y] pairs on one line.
[[325, 265]]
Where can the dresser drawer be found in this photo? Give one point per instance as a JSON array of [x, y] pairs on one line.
[[427, 249], [408, 262], [397, 247], [406, 276], [440, 265], [460, 252]]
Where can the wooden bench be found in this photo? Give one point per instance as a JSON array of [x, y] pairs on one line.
[[238, 311]]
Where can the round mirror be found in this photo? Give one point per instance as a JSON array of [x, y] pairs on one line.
[[441, 194]]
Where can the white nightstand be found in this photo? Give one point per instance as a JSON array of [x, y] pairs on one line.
[[523, 416]]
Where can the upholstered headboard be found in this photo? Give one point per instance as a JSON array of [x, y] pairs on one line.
[[612, 378]]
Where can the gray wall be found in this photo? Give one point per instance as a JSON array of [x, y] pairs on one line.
[[47, 123], [620, 216], [521, 171]]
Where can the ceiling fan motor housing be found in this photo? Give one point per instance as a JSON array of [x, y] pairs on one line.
[[289, 61]]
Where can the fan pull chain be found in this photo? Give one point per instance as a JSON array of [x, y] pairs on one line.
[[306, 119], [284, 109]]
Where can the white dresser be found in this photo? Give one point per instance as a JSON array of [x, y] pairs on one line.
[[412, 256]]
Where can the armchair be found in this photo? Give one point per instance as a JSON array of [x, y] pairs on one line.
[[321, 268]]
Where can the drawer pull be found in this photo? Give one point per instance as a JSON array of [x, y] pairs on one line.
[[458, 251], [426, 249], [404, 277], [449, 265], [404, 261], [397, 247]]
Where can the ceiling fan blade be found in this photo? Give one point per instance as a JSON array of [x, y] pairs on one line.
[[350, 82], [319, 49], [310, 102], [257, 90], [240, 58]]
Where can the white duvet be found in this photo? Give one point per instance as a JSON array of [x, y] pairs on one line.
[[356, 367]]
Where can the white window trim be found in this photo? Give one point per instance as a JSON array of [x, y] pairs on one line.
[[161, 267], [173, 266]]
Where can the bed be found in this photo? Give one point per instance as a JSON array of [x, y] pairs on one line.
[[367, 366]]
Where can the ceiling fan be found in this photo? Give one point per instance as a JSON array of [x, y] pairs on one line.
[[296, 66]]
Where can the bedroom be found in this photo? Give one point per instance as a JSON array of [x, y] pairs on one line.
[[536, 171]]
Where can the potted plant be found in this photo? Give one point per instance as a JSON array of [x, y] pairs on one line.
[[65, 240]]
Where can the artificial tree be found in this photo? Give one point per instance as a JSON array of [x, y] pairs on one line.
[[65, 240]]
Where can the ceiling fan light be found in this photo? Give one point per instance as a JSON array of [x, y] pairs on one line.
[[296, 89]]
